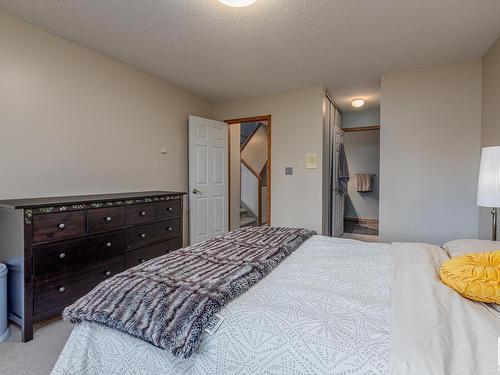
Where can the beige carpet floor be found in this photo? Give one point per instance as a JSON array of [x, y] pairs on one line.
[[38, 356]]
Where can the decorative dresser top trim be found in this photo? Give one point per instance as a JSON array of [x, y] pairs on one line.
[[78, 207], [59, 204]]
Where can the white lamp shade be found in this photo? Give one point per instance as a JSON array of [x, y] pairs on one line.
[[488, 193]]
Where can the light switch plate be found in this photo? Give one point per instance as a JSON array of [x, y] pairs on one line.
[[311, 161]]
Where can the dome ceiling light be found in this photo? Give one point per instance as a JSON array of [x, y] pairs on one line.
[[238, 3], [357, 103]]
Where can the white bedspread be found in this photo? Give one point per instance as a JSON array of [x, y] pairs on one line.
[[333, 307], [435, 331], [324, 310]]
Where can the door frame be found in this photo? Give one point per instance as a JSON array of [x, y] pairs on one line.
[[253, 119]]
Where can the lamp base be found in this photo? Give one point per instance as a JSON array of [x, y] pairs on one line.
[[494, 224]]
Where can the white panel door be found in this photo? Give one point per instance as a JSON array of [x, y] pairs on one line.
[[338, 199], [208, 175]]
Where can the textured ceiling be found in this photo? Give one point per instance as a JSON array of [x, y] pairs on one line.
[[274, 45]]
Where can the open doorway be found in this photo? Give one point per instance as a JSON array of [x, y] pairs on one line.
[[249, 172], [362, 148]]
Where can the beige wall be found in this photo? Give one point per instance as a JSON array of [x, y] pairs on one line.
[[430, 150], [75, 122], [296, 130], [490, 118]]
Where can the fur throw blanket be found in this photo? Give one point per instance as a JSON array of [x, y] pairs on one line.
[[170, 300]]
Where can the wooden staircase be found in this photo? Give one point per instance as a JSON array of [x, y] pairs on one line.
[[250, 214], [246, 220]]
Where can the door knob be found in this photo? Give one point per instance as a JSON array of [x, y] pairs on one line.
[[196, 191]]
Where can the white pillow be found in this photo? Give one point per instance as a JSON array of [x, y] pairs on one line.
[[461, 247]]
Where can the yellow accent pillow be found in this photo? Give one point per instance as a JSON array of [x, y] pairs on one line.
[[474, 276]]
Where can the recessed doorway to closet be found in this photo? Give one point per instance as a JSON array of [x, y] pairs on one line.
[[249, 172], [362, 150]]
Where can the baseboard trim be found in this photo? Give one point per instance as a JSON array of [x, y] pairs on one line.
[[361, 220]]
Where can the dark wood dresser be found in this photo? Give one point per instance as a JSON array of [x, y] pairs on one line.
[[58, 249]]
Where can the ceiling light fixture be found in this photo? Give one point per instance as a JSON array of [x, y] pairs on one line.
[[238, 3], [357, 103]]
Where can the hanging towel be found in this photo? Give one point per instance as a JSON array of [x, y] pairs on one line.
[[343, 170], [364, 182]]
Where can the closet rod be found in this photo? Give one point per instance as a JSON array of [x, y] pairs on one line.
[[361, 128]]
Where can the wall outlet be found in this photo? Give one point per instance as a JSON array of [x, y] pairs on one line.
[[288, 171]]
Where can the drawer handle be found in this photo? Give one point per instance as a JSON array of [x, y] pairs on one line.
[[108, 219], [108, 273], [143, 213], [170, 209], [62, 256], [170, 229], [62, 289], [108, 244], [143, 235], [61, 226]]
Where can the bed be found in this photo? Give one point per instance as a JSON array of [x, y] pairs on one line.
[[334, 306]]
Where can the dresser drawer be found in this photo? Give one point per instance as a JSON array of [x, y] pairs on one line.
[[52, 295], [168, 209], [146, 234], [58, 225], [136, 257], [168, 229], [141, 214], [105, 219], [63, 255]]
